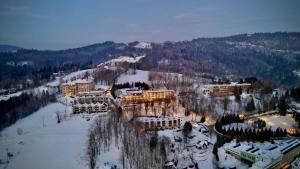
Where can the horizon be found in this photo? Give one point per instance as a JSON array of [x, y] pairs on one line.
[[86, 45], [60, 25]]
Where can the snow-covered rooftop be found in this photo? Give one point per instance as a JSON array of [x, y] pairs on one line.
[[161, 118], [231, 84], [93, 92], [90, 104], [266, 153]]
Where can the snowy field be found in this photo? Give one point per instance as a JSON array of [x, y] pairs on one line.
[[37, 141], [275, 121], [140, 76], [272, 121]]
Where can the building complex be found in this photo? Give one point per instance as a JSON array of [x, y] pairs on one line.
[[148, 102], [140, 96], [91, 102], [266, 156]]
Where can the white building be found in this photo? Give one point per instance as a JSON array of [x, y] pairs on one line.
[[151, 123], [90, 108], [266, 155], [91, 102]]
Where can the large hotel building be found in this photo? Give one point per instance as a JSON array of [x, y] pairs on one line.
[[91, 102], [225, 89], [140, 96], [71, 88]]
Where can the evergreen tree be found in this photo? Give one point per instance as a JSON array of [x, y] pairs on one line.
[[272, 103], [187, 129], [153, 140], [215, 152], [250, 105], [282, 105], [202, 120], [163, 149], [237, 93]]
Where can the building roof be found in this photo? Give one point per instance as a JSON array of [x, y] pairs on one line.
[[90, 104], [231, 84], [93, 93], [266, 152], [289, 145], [159, 118], [263, 164], [135, 91]]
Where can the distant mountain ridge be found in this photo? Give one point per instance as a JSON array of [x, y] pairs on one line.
[[9, 48], [274, 56], [271, 56]]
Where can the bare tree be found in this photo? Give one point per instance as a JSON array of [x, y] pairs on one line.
[[58, 117], [225, 102]]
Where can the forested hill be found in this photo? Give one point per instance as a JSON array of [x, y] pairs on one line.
[[266, 55], [38, 58], [274, 56], [9, 48]]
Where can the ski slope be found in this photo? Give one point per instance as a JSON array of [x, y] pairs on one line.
[[45, 144]]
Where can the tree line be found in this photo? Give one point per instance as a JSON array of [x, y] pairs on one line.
[[138, 150], [27, 76], [230, 118], [21, 106], [248, 134], [107, 76], [295, 93]]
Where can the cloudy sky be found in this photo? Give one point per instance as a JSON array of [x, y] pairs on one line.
[[60, 24]]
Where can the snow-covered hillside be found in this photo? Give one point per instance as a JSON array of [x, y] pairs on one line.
[[297, 72], [37, 141], [242, 45], [78, 74], [36, 91], [8, 96], [139, 76], [143, 45], [124, 59]]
